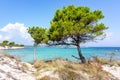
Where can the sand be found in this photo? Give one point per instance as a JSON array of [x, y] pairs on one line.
[[114, 70], [6, 47]]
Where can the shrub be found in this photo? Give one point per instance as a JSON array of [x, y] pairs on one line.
[[103, 61], [25, 66], [10, 56], [38, 64]]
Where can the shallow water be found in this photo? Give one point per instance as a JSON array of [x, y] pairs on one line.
[[47, 53]]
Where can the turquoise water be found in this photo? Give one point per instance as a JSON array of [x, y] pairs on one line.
[[47, 53]]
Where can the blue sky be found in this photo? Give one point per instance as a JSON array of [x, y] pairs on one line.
[[17, 15]]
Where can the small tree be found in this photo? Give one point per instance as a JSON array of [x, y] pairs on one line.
[[11, 44], [5, 43], [39, 36], [21, 45], [111, 54], [75, 25]]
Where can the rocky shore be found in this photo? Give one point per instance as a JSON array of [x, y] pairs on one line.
[[12, 68]]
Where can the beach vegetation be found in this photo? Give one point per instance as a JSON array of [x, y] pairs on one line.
[[118, 63], [19, 45], [9, 56], [39, 36], [103, 61], [4, 43], [38, 64], [76, 25], [111, 54], [25, 66], [99, 60], [10, 44], [67, 70], [47, 78]]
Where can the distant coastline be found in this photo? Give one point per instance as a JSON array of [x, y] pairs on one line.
[[14, 47]]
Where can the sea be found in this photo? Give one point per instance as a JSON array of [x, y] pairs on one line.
[[48, 53]]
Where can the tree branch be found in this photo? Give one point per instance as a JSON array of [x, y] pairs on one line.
[[60, 43], [75, 57]]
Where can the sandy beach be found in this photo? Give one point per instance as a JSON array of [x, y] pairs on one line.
[[12, 68], [114, 70], [6, 47]]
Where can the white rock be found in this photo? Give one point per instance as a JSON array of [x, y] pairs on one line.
[[115, 71]]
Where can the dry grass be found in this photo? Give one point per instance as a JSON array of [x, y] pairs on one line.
[[25, 66], [39, 64], [47, 78], [37, 73], [74, 71], [9, 56], [99, 60], [12, 57], [118, 63], [103, 61]]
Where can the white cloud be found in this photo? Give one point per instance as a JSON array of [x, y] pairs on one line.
[[15, 32], [0, 37], [4, 38]]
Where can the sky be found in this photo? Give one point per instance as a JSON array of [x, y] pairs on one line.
[[17, 15]]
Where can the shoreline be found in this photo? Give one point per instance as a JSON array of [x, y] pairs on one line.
[[7, 47]]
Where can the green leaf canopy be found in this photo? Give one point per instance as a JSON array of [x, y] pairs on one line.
[[38, 34], [80, 24]]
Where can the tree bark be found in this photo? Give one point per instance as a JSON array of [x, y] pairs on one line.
[[34, 53], [82, 58]]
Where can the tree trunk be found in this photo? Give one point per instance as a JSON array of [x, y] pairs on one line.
[[34, 53], [82, 58]]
